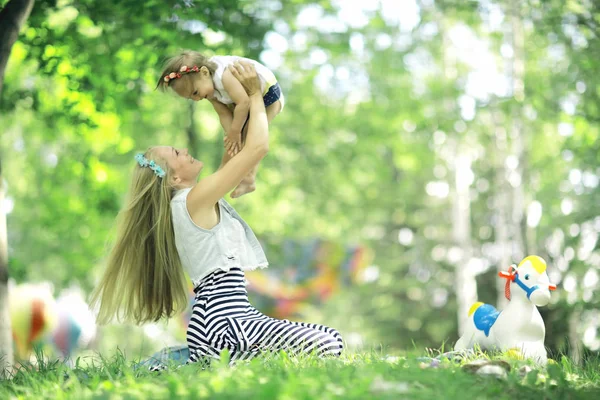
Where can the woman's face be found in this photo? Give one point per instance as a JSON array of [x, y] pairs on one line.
[[184, 169], [198, 86]]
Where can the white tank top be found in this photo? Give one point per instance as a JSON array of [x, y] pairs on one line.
[[230, 243], [266, 77]]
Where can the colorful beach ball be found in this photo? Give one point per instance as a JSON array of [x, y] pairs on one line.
[[76, 326], [32, 314]]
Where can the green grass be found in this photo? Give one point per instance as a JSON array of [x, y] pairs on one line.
[[354, 376]]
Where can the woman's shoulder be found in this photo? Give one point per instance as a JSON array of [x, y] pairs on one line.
[[180, 196]]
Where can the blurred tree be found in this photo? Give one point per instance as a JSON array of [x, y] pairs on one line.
[[452, 136], [504, 98], [12, 17], [86, 71]]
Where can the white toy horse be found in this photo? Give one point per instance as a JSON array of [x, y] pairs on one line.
[[519, 326]]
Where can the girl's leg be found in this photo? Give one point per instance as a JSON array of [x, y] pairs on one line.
[[249, 183]]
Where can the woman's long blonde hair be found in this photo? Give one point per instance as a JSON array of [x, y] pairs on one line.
[[144, 279]]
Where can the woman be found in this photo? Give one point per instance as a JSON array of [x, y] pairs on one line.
[[174, 223]]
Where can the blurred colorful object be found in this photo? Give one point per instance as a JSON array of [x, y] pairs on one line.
[[301, 272], [32, 313], [309, 272], [76, 324]]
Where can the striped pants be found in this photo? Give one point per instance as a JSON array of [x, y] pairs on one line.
[[223, 318]]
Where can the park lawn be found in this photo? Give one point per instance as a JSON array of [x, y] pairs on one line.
[[354, 376]]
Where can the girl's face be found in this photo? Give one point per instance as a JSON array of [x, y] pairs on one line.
[[198, 87]]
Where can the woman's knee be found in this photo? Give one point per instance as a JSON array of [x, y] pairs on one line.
[[332, 346], [336, 334], [332, 343]]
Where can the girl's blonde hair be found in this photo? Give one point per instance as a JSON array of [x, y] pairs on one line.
[[144, 279], [188, 58]]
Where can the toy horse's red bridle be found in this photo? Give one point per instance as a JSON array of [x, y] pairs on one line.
[[513, 276]]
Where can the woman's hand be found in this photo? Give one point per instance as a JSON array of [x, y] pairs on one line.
[[245, 73]]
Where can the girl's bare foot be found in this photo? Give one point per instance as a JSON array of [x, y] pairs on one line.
[[245, 187]]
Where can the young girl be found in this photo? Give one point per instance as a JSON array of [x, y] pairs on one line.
[[173, 223], [194, 76]]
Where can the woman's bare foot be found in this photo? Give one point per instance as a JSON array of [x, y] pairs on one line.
[[245, 187]]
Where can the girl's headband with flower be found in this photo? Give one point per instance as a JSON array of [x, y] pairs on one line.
[[183, 70], [144, 162]]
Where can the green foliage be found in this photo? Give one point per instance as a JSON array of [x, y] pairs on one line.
[[79, 85], [372, 120]]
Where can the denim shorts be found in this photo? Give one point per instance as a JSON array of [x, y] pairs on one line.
[[272, 95]]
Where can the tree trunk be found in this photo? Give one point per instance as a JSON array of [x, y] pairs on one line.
[[460, 164], [501, 202], [517, 73], [466, 285], [6, 346], [12, 18], [501, 206], [511, 198]]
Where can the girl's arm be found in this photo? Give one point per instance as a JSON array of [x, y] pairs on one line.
[[224, 113], [242, 105], [205, 194]]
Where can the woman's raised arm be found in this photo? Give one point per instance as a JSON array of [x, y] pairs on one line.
[[209, 190]]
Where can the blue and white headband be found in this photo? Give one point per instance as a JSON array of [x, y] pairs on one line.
[[144, 162]]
